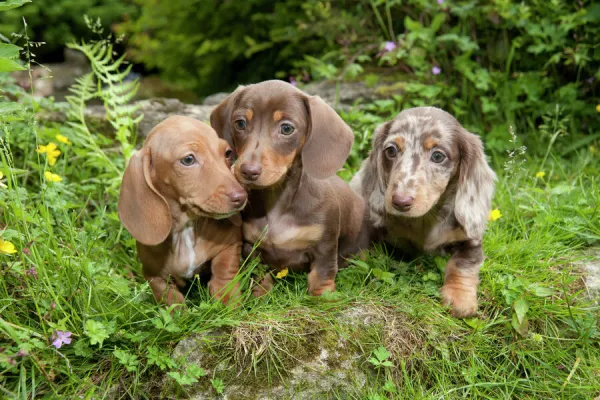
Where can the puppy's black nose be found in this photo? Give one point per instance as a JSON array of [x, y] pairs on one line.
[[237, 197], [250, 171], [402, 202]]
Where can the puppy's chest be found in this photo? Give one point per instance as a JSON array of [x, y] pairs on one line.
[[429, 237], [189, 253], [282, 233]]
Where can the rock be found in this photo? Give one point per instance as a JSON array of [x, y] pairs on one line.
[[215, 99], [314, 360], [592, 270], [154, 110], [342, 95]]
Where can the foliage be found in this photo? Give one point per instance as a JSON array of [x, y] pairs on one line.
[[59, 22], [492, 64]]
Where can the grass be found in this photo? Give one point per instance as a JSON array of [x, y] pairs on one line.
[[75, 270]]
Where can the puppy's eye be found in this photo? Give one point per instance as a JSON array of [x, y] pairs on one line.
[[437, 157], [391, 151], [188, 160], [229, 154], [240, 124], [287, 129]]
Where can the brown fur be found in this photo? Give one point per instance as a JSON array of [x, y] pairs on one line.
[[452, 198], [182, 217], [309, 214]]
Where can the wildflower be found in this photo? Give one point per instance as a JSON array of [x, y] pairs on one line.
[[436, 70], [389, 46], [50, 177], [281, 274], [62, 139], [51, 151], [494, 215], [60, 338], [440, 1], [540, 174], [293, 81], [598, 108], [2, 176], [32, 271], [7, 247]]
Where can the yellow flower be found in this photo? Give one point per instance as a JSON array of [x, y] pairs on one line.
[[50, 177], [2, 176], [593, 150], [62, 139], [598, 108], [51, 151], [540, 174], [282, 273], [494, 215], [7, 247]]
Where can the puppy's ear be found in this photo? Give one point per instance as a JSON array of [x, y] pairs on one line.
[[329, 140], [220, 118], [144, 212], [475, 185]]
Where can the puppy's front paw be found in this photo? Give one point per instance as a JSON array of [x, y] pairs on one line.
[[264, 286], [462, 299]]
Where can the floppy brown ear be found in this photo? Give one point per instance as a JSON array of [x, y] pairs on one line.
[[329, 140], [220, 117], [475, 185], [144, 212]]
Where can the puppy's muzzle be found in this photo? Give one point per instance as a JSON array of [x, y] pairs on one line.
[[402, 201], [250, 171], [237, 198]]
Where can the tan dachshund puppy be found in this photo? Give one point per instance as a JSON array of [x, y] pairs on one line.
[[181, 203], [290, 146], [428, 187]]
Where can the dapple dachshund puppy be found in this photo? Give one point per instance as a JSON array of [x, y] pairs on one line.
[[181, 203], [290, 146], [428, 187]]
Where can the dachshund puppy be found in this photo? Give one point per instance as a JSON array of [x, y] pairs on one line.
[[428, 187], [290, 146], [181, 203]]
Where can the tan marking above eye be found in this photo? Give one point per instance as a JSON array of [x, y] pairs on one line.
[[277, 116], [399, 142], [430, 143], [249, 114]]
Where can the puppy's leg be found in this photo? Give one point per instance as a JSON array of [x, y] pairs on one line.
[[264, 286], [462, 276], [165, 292], [224, 268], [323, 270]]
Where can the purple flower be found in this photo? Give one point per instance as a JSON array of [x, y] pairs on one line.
[[389, 46], [32, 271], [440, 1], [293, 81], [61, 338], [436, 70]]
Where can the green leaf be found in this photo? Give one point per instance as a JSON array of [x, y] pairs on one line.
[[381, 353], [159, 358], [7, 65], [10, 4], [437, 21], [521, 307], [129, 360], [10, 108], [96, 331], [9, 51], [541, 291], [383, 275], [217, 384], [182, 379]]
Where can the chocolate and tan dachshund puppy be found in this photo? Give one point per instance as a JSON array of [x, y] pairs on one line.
[[181, 203], [428, 187], [290, 146]]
